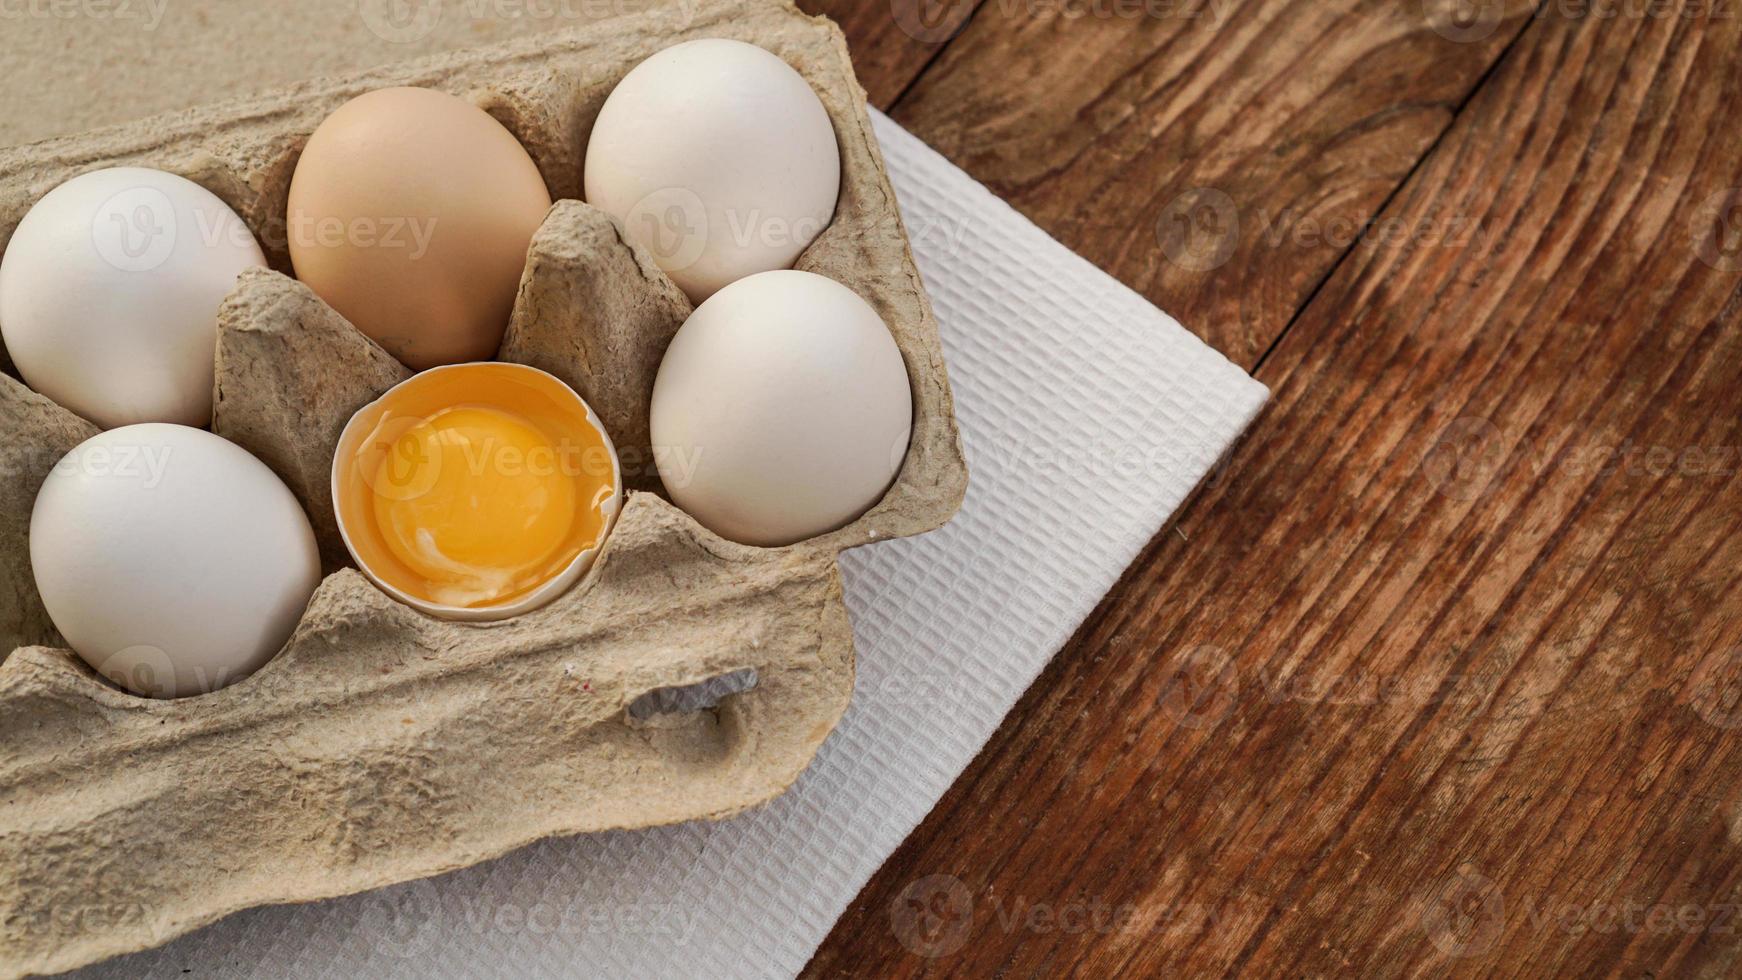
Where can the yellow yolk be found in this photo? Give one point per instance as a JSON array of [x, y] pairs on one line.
[[474, 485], [495, 505]]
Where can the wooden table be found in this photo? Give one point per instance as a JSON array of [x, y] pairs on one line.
[[1442, 671]]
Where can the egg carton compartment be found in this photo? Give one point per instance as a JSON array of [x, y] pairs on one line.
[[382, 745]]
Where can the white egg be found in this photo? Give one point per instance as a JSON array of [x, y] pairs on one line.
[[109, 294], [171, 560], [782, 409], [718, 158]]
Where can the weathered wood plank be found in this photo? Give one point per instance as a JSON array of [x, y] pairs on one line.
[[1446, 678], [892, 41], [1218, 156]]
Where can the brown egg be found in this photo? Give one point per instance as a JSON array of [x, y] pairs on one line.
[[410, 213]]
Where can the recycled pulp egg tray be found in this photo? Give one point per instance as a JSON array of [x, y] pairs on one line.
[[382, 745]]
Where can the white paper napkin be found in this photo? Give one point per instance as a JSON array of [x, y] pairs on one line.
[[1087, 416]]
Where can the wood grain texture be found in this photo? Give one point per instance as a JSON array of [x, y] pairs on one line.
[[892, 41], [1444, 674], [1218, 156]]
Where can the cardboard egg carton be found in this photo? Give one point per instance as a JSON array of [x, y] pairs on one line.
[[382, 745]]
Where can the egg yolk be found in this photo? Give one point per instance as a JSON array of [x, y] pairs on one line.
[[476, 485], [494, 505]]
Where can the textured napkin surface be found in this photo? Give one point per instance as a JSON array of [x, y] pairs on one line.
[[1087, 416]]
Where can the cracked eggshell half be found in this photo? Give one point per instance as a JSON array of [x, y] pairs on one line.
[[476, 492]]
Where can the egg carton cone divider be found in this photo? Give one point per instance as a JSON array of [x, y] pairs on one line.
[[383, 745]]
